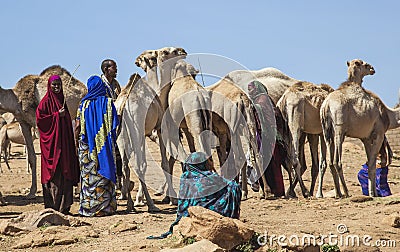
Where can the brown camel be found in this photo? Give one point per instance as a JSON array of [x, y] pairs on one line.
[[24, 98]]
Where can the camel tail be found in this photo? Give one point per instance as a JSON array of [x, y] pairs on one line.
[[327, 125]]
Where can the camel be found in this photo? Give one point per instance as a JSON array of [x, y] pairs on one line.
[[180, 99], [355, 112], [141, 112], [275, 81], [23, 99], [300, 106], [12, 133], [232, 118]]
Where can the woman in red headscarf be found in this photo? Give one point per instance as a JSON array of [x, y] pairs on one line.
[[60, 167]]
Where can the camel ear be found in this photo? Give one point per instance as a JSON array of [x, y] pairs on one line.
[[348, 63]]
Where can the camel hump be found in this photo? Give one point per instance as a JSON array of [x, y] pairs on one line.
[[314, 94], [133, 79]]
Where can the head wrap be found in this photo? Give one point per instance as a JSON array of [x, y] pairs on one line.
[[96, 88], [260, 89], [195, 161], [53, 78]]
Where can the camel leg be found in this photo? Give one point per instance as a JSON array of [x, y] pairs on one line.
[[239, 161], [7, 143], [313, 141], [167, 166], [28, 166], [26, 131], [190, 140], [330, 146], [337, 163], [322, 163], [223, 139], [299, 139], [125, 164], [372, 147], [141, 167]]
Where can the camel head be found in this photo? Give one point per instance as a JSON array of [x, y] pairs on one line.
[[183, 68], [167, 53], [357, 69], [26, 90], [147, 59]]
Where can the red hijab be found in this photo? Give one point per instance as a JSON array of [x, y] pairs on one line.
[[56, 137]]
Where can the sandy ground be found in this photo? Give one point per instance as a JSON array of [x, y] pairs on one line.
[[280, 217]]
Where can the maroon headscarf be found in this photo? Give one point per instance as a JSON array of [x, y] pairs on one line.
[[56, 136]]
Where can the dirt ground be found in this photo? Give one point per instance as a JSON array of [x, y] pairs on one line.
[[280, 217]]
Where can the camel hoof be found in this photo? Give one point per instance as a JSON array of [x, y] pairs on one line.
[[158, 193], [130, 210], [165, 200], [122, 197], [306, 194], [291, 195], [139, 204], [154, 209], [173, 202], [31, 196]]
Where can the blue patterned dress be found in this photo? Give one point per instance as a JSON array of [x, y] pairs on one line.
[[98, 120]]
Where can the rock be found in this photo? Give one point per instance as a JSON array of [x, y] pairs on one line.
[[32, 220], [206, 224], [361, 198], [361, 248], [122, 226], [305, 248], [392, 220], [54, 235], [200, 246]]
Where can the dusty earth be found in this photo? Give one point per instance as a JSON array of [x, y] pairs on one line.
[[280, 217]]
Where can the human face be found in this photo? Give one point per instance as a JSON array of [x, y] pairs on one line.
[[252, 88], [56, 86], [111, 71]]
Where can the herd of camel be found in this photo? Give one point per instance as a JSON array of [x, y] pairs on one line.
[[169, 103]]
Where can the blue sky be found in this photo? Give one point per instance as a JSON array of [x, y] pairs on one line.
[[308, 40]]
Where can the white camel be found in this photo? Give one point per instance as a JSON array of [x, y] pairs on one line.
[[184, 100], [275, 81], [141, 112]]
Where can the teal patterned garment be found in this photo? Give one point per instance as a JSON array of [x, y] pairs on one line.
[[200, 187]]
